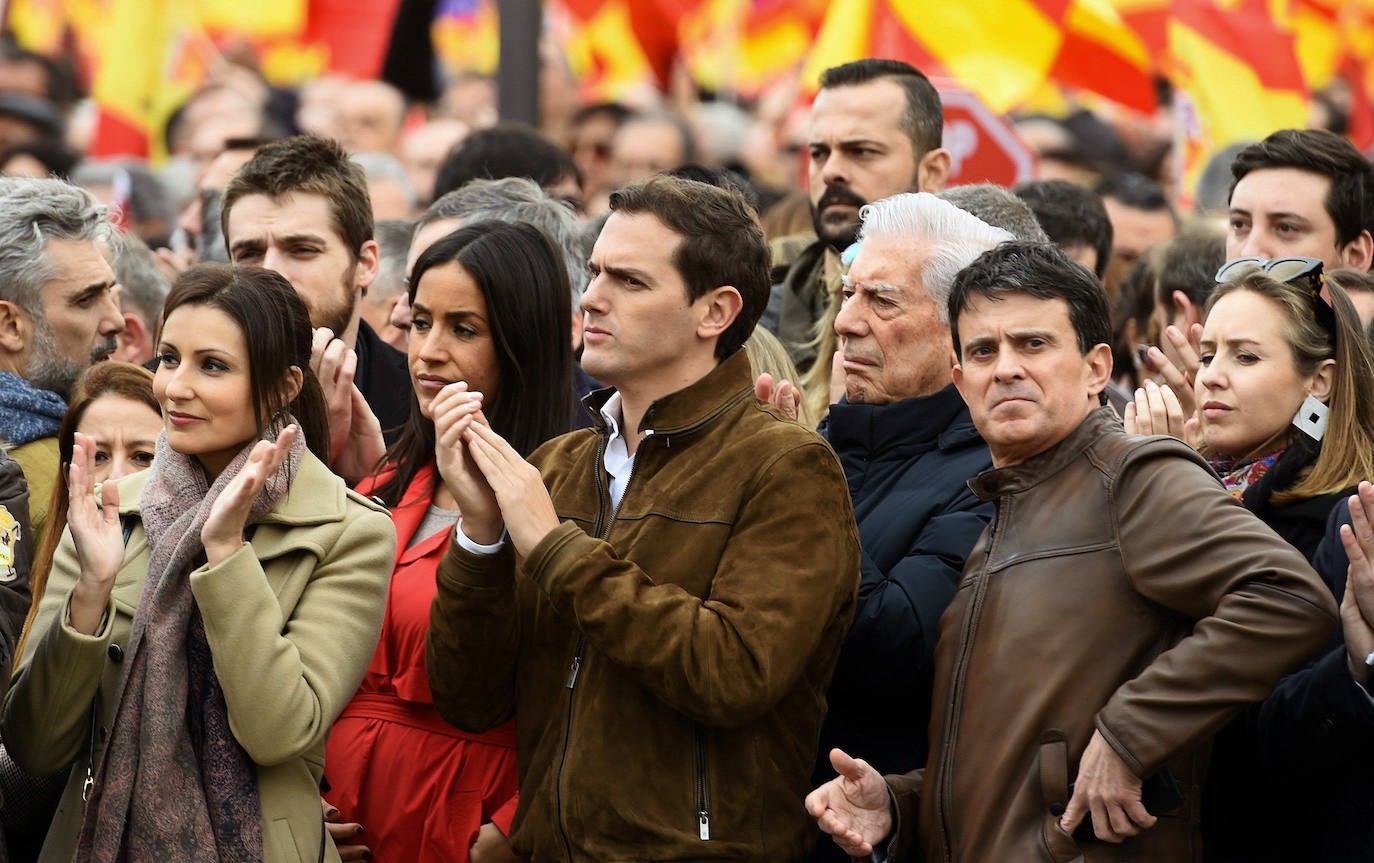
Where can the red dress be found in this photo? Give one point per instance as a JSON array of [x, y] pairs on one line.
[[420, 787]]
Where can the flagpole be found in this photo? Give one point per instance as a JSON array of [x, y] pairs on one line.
[[517, 77]]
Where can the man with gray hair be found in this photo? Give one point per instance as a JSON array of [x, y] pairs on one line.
[[143, 290], [59, 312], [908, 447]]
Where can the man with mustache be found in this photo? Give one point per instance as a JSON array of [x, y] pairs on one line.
[[300, 206], [908, 448], [1098, 637], [875, 131], [59, 313]]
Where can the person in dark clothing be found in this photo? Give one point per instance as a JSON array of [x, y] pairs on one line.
[[300, 207], [908, 448], [1074, 218]]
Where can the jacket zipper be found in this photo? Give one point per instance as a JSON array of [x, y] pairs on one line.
[[703, 789], [957, 696]]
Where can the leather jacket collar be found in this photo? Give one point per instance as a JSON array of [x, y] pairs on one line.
[[991, 484]]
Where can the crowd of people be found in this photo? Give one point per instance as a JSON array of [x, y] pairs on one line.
[[408, 488]]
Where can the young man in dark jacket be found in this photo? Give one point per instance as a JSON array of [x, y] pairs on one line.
[[683, 583]]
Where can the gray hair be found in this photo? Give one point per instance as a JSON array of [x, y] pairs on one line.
[[131, 179], [32, 212], [142, 285], [1000, 208], [953, 237], [517, 199], [384, 166], [393, 243]]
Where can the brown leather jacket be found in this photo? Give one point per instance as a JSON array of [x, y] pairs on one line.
[[1118, 588], [668, 680]]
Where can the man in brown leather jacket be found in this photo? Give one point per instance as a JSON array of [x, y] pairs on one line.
[[664, 619], [1118, 610]]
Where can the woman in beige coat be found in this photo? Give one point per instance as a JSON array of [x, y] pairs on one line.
[[206, 621]]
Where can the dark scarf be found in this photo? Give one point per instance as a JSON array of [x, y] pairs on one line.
[[174, 783], [26, 412]]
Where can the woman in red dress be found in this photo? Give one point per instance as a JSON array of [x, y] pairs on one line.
[[491, 314]]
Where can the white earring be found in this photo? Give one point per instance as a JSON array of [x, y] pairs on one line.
[[1311, 418]]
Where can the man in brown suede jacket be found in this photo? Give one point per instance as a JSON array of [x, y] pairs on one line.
[[663, 620], [1118, 610]]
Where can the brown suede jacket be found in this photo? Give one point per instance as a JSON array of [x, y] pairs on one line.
[[666, 662], [1119, 588]]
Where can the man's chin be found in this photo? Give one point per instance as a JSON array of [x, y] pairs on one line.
[[838, 236]]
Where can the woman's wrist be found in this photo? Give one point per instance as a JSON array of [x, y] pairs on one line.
[[87, 605]]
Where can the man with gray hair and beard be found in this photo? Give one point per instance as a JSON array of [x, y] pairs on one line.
[[59, 313]]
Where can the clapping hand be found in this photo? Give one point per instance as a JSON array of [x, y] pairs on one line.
[[222, 533], [1180, 378], [97, 534], [1357, 606], [519, 489], [355, 434], [1157, 410], [454, 411]]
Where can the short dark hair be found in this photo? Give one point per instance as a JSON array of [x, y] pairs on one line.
[[1189, 263], [1136, 191], [276, 328], [1043, 272], [613, 111], [311, 165], [721, 178], [525, 284], [1071, 216], [924, 120], [722, 244], [1351, 197], [505, 150]]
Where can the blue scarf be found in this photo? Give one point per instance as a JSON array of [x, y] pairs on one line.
[[26, 412]]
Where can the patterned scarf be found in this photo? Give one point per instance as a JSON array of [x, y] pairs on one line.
[[1237, 475], [26, 412], [174, 784]]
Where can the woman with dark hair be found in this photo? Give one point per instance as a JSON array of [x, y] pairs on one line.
[[491, 310], [206, 619]]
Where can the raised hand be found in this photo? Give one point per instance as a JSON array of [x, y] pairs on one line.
[[455, 410], [222, 533], [525, 503], [782, 395], [854, 807], [1108, 790], [1158, 411], [97, 534], [1357, 606], [1179, 379]]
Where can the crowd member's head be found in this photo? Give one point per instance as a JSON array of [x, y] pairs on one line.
[[25, 119], [300, 207], [1213, 191], [59, 307], [1268, 346], [999, 208], [143, 290], [1359, 286], [389, 288], [136, 190], [388, 186], [1141, 219], [875, 132], [113, 405], [234, 363], [39, 159], [510, 150], [199, 221], [893, 328], [1133, 324], [1032, 333], [1075, 220], [512, 199], [1303, 192], [371, 115], [490, 304], [423, 150], [679, 279], [646, 144], [593, 130], [34, 74], [1185, 271]]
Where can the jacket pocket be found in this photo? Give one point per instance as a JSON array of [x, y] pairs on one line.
[[282, 839], [1059, 846]]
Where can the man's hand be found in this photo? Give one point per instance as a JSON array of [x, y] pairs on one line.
[[525, 504], [854, 807], [1357, 606], [492, 846], [344, 834], [1107, 788], [784, 396]]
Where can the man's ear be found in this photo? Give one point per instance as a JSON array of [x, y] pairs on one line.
[[1098, 368], [1324, 381], [932, 172], [369, 263], [135, 343], [957, 373], [1358, 254], [718, 309], [1184, 308], [15, 328]]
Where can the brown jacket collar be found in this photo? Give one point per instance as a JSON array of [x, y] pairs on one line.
[[690, 407], [988, 485]]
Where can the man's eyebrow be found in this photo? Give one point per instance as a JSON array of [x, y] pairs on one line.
[[625, 272], [93, 288], [871, 287]]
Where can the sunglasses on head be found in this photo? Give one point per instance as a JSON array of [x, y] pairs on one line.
[[1304, 273]]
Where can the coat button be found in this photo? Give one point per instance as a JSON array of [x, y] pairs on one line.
[[116, 652]]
